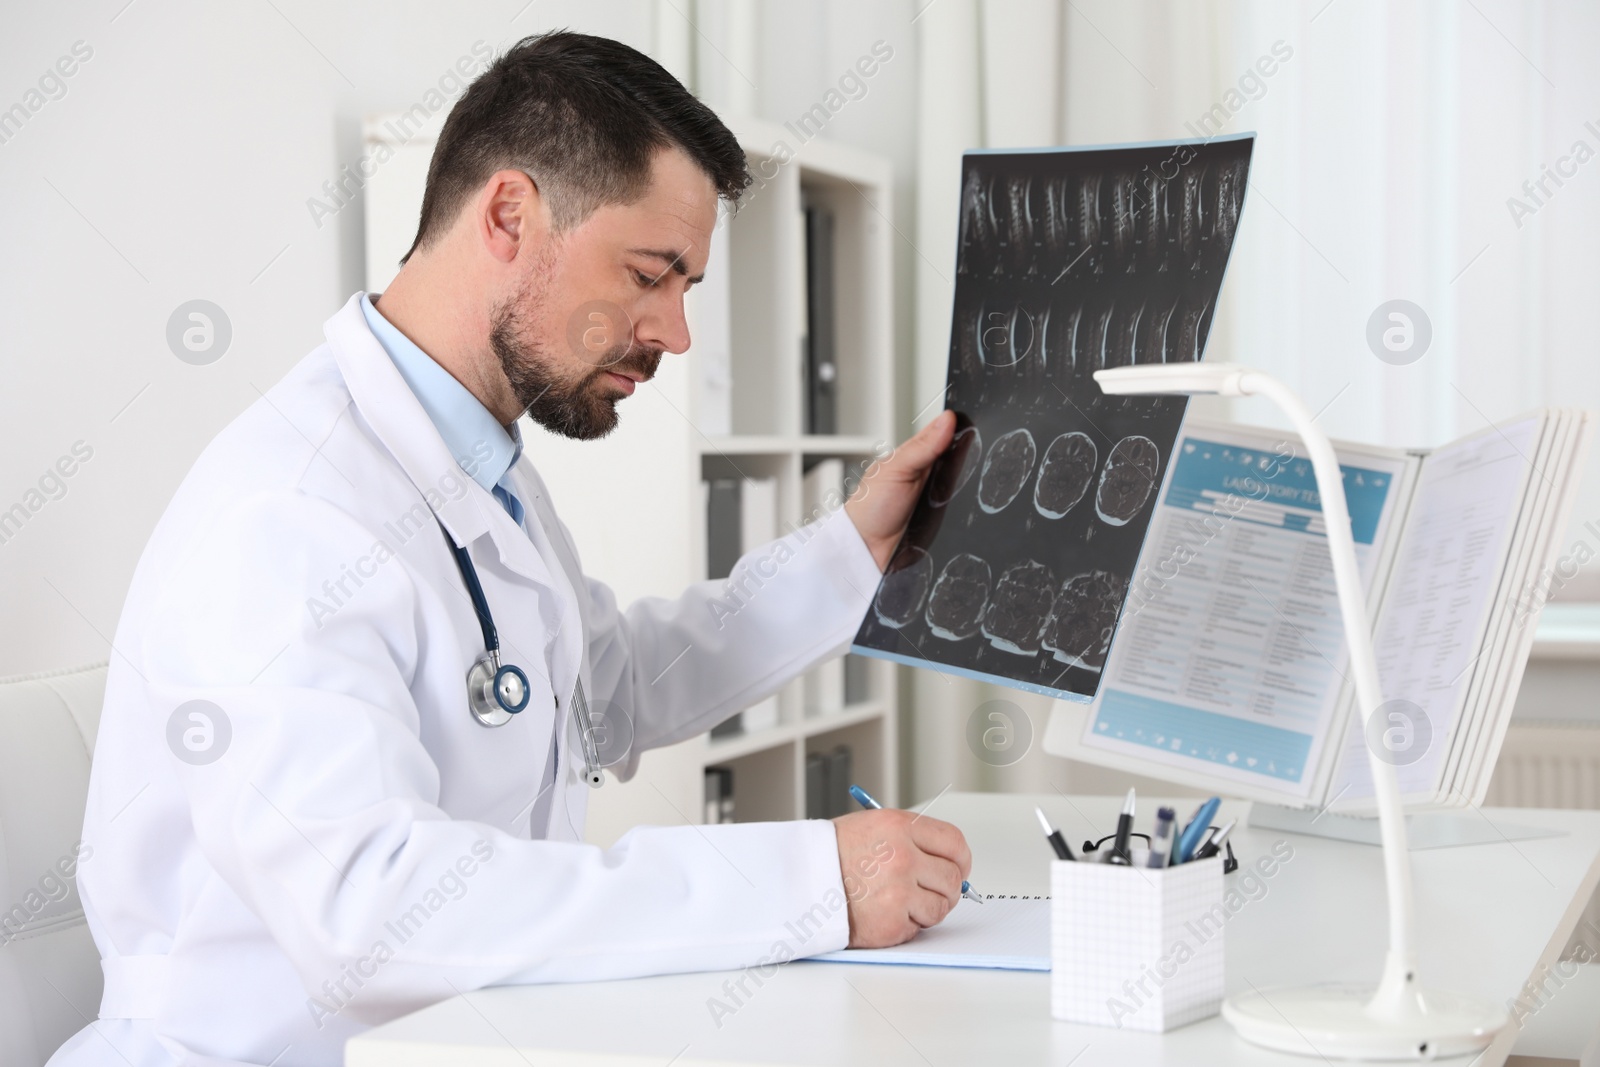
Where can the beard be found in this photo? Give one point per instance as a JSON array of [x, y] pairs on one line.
[[581, 403]]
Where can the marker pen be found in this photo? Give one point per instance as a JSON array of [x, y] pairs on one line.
[[1161, 840], [1119, 850], [1052, 835]]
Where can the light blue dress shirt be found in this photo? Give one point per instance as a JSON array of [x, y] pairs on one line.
[[483, 447]]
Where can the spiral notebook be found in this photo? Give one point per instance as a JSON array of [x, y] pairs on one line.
[[1010, 933]]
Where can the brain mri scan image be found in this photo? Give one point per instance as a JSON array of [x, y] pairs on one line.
[[1018, 557], [1128, 480], [1018, 608], [955, 468], [1078, 632], [955, 608], [1065, 474], [1006, 470], [905, 585]]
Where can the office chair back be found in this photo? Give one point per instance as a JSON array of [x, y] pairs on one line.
[[50, 978]]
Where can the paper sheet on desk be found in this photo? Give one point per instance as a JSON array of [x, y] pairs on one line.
[[1002, 933]]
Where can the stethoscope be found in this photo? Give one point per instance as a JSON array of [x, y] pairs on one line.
[[497, 691]]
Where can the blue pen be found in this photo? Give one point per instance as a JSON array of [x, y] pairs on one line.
[[865, 800], [1189, 840]]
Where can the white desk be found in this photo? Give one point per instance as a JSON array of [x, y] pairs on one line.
[[1489, 918]]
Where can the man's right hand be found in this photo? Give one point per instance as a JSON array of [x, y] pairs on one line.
[[902, 872]]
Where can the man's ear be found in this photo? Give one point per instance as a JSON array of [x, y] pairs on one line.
[[511, 215]]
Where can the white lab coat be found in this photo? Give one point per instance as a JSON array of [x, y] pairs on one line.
[[362, 847]]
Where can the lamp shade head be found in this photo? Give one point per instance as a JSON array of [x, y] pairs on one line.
[[1185, 379]]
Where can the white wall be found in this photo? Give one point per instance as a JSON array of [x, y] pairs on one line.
[[1390, 145], [179, 162], [178, 166]]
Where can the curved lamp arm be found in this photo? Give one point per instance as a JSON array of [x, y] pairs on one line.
[[1398, 1013], [1400, 966]]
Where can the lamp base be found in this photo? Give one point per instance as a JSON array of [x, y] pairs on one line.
[[1333, 1022]]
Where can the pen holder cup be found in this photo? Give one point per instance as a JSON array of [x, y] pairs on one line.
[[1136, 948]]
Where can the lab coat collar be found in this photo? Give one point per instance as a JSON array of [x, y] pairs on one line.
[[395, 414], [484, 448]]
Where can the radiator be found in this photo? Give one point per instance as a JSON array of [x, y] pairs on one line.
[[1547, 765], [1550, 765]]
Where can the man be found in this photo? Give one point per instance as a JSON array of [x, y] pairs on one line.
[[299, 828]]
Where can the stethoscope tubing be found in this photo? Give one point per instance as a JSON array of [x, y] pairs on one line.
[[480, 603]]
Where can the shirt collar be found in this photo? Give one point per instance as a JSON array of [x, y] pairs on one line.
[[484, 448]]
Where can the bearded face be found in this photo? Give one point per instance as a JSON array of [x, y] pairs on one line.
[[596, 302], [570, 381]]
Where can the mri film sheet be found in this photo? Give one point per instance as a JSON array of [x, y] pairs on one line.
[[1017, 560]]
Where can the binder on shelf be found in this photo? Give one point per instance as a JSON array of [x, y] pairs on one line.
[[758, 512], [821, 365], [709, 322], [823, 687], [723, 542], [719, 795], [723, 530], [857, 680], [840, 775], [741, 515], [816, 786], [821, 487], [828, 778], [758, 524]]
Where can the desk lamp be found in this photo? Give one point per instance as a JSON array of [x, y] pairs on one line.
[[1399, 1020]]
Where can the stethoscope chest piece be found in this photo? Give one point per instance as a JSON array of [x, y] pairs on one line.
[[496, 693]]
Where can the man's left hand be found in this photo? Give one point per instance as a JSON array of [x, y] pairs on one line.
[[881, 505]]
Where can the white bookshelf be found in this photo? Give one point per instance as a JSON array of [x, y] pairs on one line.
[[634, 500]]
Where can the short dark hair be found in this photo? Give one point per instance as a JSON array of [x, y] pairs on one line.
[[584, 117]]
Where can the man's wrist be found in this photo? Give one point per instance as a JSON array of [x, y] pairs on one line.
[[878, 548]]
